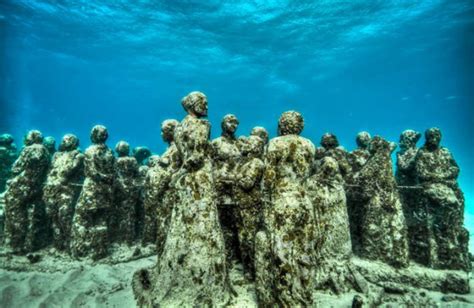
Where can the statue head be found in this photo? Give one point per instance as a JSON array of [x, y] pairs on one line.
[[141, 154], [329, 141], [408, 139], [363, 140], [99, 134], [50, 143], [290, 123], [329, 167], [229, 124], [69, 143], [432, 138], [195, 103], [6, 140], [378, 144], [260, 132], [33, 137], [167, 130], [122, 148]]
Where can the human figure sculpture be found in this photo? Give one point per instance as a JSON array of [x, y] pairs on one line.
[[261, 132], [226, 158], [62, 189], [50, 143], [441, 208], [249, 197], [91, 218], [357, 159], [284, 259], [330, 147], [126, 196], [406, 179], [359, 156], [8, 155], [159, 198], [191, 270], [383, 229], [25, 215]]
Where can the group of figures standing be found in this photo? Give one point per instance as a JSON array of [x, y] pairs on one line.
[[286, 210]]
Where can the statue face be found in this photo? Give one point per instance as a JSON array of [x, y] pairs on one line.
[[200, 107], [167, 130], [433, 137], [363, 140], [99, 134], [69, 142], [230, 124]]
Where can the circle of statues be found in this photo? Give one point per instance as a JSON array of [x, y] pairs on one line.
[[288, 211]]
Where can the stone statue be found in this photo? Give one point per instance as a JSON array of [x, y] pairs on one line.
[[25, 215], [284, 257], [445, 240], [8, 155], [261, 132], [62, 189], [91, 218], [330, 147], [191, 270]]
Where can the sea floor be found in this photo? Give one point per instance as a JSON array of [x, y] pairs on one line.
[[51, 279]]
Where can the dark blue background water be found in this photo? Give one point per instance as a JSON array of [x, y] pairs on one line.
[[381, 66]]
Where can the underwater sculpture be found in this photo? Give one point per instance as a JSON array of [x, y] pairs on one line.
[[248, 194], [226, 156], [91, 218], [191, 270], [25, 215], [261, 132], [357, 159], [50, 143], [284, 260], [62, 189], [330, 147], [333, 250], [406, 179], [126, 196], [383, 230], [359, 156], [8, 155], [159, 198], [445, 238]]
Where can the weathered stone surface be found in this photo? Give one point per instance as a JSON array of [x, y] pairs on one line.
[[330, 148], [126, 197], [191, 270], [25, 216], [261, 132], [443, 240], [50, 143], [8, 155], [357, 159], [92, 216], [226, 156], [62, 189], [383, 229], [289, 219], [248, 194]]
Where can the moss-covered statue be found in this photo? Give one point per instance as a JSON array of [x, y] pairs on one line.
[[25, 215], [8, 155], [159, 198], [409, 194], [445, 238], [330, 148], [126, 196], [191, 270], [284, 259], [357, 159], [62, 189], [50, 143], [226, 156], [261, 132], [383, 228], [91, 218], [248, 194]]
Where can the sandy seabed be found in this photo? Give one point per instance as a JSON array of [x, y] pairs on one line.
[[55, 280]]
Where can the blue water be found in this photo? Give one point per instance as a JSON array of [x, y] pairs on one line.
[[380, 66]]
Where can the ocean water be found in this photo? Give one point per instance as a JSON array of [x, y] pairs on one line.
[[347, 66]]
